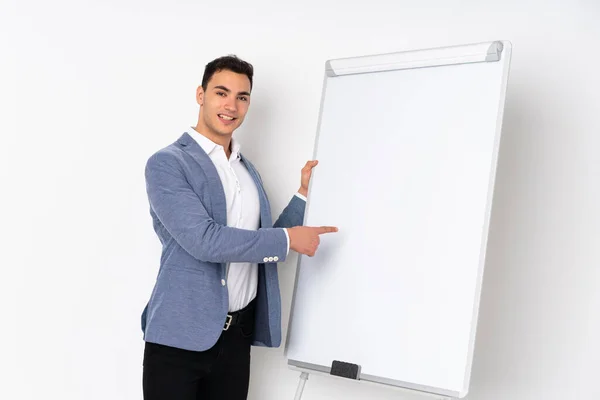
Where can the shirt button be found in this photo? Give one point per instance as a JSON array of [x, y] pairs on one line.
[[222, 282], [271, 259], [266, 259], [275, 258]]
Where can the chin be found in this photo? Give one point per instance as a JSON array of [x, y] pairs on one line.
[[226, 132]]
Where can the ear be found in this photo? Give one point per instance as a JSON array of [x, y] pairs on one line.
[[200, 95]]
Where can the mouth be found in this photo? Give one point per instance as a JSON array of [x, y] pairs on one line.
[[226, 119]]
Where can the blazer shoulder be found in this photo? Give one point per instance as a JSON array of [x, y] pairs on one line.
[[170, 156]]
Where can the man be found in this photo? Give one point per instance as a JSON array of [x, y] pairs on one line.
[[217, 290]]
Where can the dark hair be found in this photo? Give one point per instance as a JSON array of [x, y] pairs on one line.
[[230, 63]]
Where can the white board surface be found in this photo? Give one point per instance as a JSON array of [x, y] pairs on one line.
[[407, 161]]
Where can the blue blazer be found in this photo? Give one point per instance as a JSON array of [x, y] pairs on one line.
[[189, 303]]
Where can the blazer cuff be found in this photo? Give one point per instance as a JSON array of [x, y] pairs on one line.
[[301, 196]]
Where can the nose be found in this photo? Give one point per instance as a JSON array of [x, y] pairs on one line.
[[230, 104]]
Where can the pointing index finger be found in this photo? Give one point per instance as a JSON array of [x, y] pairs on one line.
[[326, 229]]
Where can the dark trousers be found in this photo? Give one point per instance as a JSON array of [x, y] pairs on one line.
[[221, 372]]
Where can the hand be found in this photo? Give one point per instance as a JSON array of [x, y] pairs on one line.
[[305, 177], [305, 239]]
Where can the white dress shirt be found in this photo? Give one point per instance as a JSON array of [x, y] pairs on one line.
[[243, 211]]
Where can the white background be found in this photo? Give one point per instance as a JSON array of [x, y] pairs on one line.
[[89, 89]]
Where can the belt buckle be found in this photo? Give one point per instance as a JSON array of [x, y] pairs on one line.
[[228, 322]]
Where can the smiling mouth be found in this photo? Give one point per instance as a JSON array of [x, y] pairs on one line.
[[226, 117]]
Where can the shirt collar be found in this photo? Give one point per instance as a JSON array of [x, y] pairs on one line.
[[235, 149], [209, 146]]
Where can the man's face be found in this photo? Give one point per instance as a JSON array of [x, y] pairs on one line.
[[225, 102]]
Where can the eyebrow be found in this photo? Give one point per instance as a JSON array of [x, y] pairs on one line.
[[229, 91]]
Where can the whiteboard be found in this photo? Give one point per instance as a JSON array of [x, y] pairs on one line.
[[407, 145]]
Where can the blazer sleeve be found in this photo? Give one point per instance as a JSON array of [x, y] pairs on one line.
[[292, 215], [183, 215]]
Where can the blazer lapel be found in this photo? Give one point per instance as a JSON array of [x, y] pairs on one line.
[[217, 194], [265, 212]]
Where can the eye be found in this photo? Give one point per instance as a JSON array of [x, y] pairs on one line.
[[222, 94], [243, 98]]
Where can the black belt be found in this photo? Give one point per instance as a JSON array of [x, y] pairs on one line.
[[245, 316]]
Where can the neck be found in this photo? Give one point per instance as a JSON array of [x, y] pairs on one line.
[[222, 140]]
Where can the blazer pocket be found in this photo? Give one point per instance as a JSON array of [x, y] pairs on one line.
[[184, 268]]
